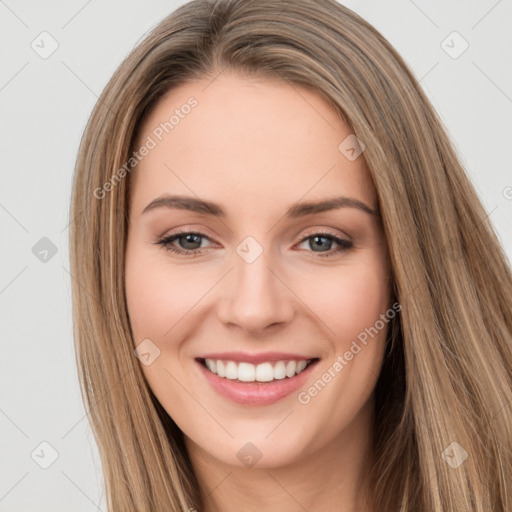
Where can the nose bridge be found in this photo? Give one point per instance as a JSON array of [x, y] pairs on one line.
[[257, 297]]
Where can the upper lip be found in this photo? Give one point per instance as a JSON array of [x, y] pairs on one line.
[[262, 357]]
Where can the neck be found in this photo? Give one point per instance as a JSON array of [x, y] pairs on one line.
[[331, 478]]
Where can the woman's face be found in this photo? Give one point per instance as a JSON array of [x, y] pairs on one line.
[[266, 279]]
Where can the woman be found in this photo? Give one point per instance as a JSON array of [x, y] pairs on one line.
[[226, 361]]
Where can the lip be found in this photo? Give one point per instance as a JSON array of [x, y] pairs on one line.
[[256, 393], [263, 357]]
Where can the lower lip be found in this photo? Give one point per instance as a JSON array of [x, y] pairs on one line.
[[256, 393]]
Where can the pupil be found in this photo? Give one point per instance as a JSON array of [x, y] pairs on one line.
[[195, 239], [189, 239], [316, 238]]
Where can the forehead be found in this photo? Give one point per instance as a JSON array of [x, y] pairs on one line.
[[246, 140]]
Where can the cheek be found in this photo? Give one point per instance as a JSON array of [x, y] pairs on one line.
[[159, 296], [348, 299], [350, 304], [364, 298]]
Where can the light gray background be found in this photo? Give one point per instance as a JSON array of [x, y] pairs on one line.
[[45, 104]]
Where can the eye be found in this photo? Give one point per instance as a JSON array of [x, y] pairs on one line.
[[189, 243], [189, 239], [325, 241]]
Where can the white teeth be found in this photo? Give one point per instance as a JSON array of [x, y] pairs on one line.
[[290, 368], [231, 370], [211, 364], [301, 365], [263, 372], [246, 372], [279, 370]]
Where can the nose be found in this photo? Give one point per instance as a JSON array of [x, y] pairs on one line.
[[256, 298]]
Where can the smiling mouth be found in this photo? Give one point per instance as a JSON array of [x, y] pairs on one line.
[[244, 372]]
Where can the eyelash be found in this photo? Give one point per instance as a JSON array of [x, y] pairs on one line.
[[344, 245]]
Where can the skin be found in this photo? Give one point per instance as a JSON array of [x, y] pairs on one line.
[[255, 147]]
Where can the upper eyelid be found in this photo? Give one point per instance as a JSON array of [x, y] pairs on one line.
[[326, 231]]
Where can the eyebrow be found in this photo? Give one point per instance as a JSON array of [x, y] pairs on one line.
[[299, 209]]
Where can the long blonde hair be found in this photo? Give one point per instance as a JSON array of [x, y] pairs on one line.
[[446, 376]]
